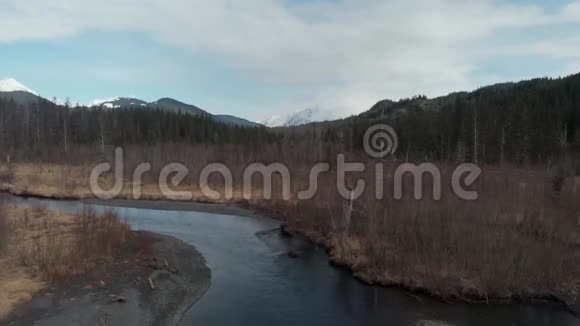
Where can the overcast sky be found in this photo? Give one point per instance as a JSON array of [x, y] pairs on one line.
[[258, 58]]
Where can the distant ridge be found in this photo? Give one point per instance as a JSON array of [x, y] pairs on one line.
[[11, 89], [172, 105]]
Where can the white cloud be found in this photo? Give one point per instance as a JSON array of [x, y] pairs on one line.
[[571, 12], [566, 48], [351, 52]]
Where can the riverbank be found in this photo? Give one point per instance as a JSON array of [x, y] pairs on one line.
[[121, 292], [53, 181], [73, 268], [454, 289], [39, 246]]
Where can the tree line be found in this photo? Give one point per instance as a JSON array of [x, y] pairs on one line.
[[34, 129], [530, 122]]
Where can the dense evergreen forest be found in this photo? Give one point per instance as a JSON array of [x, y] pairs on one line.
[[530, 122], [34, 130]]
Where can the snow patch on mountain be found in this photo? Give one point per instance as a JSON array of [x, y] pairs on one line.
[[99, 102], [300, 118], [118, 102], [274, 121], [12, 85], [110, 105]]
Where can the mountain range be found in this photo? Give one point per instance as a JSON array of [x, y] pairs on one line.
[[12, 89], [172, 105]]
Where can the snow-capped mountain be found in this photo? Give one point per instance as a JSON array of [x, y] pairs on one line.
[[9, 85], [169, 104], [13, 90], [300, 118], [117, 102]]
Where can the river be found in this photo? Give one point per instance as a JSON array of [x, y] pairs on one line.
[[255, 282]]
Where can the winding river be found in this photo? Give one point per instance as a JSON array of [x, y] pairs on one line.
[[255, 282]]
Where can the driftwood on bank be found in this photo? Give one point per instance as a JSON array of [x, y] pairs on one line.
[[151, 284]]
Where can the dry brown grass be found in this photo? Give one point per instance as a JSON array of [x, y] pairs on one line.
[[46, 180], [43, 246], [17, 285], [55, 181]]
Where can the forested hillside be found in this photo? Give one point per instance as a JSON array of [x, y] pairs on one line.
[[527, 122]]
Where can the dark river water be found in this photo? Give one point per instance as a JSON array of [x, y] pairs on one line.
[[254, 282]]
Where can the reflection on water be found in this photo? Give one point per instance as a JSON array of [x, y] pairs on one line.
[[255, 282]]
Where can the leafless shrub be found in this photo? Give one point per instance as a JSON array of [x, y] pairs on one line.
[[514, 242], [3, 228], [6, 174], [59, 251], [99, 235]]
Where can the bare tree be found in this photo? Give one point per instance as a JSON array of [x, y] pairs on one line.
[[64, 119], [502, 145], [475, 135]]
